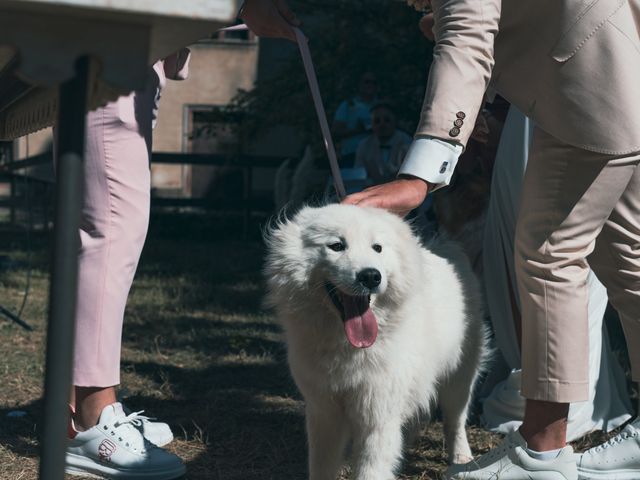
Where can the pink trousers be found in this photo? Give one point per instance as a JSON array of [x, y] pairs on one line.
[[115, 216]]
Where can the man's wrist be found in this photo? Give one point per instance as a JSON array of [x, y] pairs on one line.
[[431, 159], [406, 176]]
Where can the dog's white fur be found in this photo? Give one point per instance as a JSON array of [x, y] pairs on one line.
[[429, 347]]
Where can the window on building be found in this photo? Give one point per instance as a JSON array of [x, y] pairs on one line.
[[233, 36], [209, 132]]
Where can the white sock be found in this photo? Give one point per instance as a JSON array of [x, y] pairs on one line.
[[546, 455]]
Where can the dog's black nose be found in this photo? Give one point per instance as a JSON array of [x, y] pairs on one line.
[[369, 277]]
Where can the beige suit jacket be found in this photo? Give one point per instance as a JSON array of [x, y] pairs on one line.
[[573, 66]]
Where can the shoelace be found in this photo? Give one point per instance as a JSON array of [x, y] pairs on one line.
[[493, 454], [136, 419], [131, 422], [612, 442]]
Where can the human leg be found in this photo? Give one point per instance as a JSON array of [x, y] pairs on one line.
[[104, 439], [616, 261], [567, 197], [113, 229]]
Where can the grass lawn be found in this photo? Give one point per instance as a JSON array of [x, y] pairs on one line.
[[199, 352]]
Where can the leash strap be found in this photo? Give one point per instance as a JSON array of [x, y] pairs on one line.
[[310, 71], [303, 45]]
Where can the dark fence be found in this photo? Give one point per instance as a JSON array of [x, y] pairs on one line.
[[14, 172]]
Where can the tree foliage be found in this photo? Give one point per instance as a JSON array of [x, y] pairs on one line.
[[346, 38]]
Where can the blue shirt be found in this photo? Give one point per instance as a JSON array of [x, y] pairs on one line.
[[353, 112]]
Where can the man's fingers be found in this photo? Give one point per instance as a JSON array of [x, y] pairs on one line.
[[426, 26], [399, 196], [287, 13], [365, 199], [290, 35], [265, 18], [354, 198]]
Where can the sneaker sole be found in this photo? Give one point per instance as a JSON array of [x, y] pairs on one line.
[[79, 465], [587, 474]]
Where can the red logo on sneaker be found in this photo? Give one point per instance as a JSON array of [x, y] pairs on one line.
[[105, 450]]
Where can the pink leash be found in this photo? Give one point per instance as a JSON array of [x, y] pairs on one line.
[[303, 45]]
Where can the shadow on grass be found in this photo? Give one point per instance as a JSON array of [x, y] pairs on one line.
[[210, 338], [247, 418], [201, 354]]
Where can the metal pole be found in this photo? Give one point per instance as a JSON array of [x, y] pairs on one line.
[[64, 273], [12, 183], [246, 215], [13, 197]]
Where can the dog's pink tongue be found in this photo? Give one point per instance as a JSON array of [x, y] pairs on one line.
[[360, 323]]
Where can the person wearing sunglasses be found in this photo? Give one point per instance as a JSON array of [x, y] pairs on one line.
[[381, 153], [352, 120]]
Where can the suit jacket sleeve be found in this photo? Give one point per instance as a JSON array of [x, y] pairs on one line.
[[462, 62]]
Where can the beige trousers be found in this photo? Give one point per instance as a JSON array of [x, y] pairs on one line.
[[578, 209]]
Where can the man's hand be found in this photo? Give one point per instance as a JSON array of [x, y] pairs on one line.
[[399, 196], [270, 18], [426, 26]]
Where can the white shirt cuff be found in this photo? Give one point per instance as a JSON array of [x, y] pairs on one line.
[[432, 160]]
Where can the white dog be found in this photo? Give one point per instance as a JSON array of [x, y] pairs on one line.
[[378, 327]]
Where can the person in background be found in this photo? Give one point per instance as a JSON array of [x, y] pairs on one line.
[[352, 120], [381, 153], [103, 439]]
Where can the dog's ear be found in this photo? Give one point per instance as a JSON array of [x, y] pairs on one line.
[[284, 264], [279, 229]]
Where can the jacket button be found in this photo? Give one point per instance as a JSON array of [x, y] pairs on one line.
[[454, 132], [458, 122], [461, 115]]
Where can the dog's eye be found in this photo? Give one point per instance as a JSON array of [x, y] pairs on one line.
[[337, 247], [377, 247]]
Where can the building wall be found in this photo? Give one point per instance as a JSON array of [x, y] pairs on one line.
[[217, 70]]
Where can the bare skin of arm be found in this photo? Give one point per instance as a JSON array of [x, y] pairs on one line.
[[270, 18], [398, 196]]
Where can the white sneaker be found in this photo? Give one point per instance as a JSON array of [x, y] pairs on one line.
[[510, 461], [158, 433], [616, 459], [115, 448]]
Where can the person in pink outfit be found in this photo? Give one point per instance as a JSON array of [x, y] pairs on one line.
[[104, 440]]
